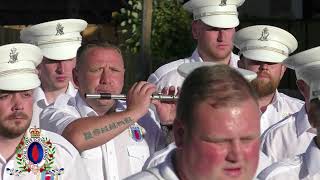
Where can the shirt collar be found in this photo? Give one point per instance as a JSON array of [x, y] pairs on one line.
[[312, 159], [2, 160], [83, 108], [301, 121], [39, 95], [72, 91], [166, 168], [195, 57], [276, 100], [234, 60]]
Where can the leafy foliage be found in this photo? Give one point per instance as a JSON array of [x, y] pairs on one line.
[[171, 30], [130, 21]]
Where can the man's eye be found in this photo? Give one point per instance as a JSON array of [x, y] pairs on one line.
[[216, 140], [95, 69], [247, 139], [115, 70], [27, 94], [221, 141], [3, 96]]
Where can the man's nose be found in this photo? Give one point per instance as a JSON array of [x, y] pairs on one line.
[[17, 102], [105, 76], [234, 152], [263, 66], [220, 35], [60, 67]]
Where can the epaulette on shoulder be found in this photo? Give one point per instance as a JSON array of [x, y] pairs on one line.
[[63, 100], [280, 167], [292, 99], [278, 125]]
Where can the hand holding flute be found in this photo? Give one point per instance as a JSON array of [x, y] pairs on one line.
[[159, 97], [167, 109], [165, 102]]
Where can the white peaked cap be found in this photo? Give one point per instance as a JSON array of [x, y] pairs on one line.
[[215, 13], [265, 43], [307, 67], [58, 40], [18, 64], [186, 68]]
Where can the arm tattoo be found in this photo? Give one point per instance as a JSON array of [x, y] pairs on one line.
[[87, 135], [108, 127]]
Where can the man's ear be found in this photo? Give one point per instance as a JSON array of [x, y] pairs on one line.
[[195, 29], [283, 70], [75, 76], [39, 70], [179, 132]]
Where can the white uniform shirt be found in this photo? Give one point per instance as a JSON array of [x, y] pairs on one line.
[[66, 156], [288, 138], [280, 108], [303, 167], [118, 158], [163, 171], [264, 162], [40, 103], [167, 75], [159, 156]]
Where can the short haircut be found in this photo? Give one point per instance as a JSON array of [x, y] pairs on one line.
[[84, 48], [220, 84]]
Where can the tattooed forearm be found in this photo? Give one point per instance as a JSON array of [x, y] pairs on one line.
[[111, 126]]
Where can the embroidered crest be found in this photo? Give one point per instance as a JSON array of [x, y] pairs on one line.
[[13, 55], [264, 35], [59, 29], [223, 3], [35, 154], [136, 133]]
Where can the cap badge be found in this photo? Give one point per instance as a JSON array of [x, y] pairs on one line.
[[264, 35], [13, 55], [223, 3], [59, 29]]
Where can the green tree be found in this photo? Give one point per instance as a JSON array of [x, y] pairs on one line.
[[171, 30]]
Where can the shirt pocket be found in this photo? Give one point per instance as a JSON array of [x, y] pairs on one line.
[[93, 153], [137, 157], [93, 161]]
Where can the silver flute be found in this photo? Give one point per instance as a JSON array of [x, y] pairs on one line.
[[124, 97]]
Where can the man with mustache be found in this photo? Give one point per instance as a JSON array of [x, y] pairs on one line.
[[292, 136], [298, 137], [114, 137], [58, 41], [262, 49], [216, 130], [29, 153]]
